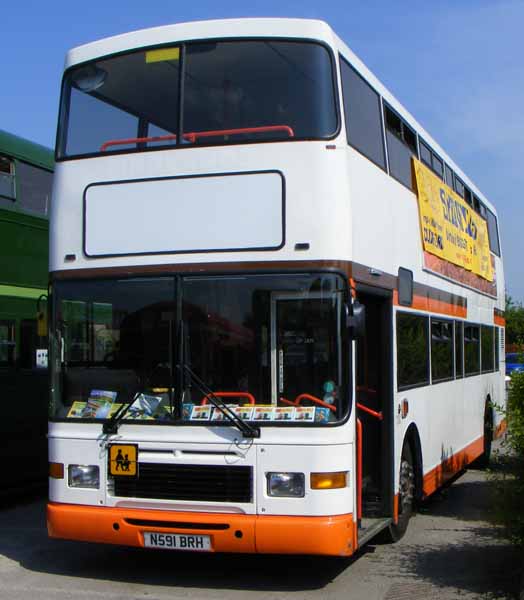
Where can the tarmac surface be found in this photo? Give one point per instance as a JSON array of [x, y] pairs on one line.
[[450, 551]]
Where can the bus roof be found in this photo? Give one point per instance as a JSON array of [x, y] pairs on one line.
[[259, 28], [201, 30], [23, 149]]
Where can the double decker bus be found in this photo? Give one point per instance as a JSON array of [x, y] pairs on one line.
[[26, 171], [276, 302]]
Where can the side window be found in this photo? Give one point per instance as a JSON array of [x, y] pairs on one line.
[[449, 176], [459, 349], [362, 111], [7, 181], [412, 350], [459, 187], [497, 353], [467, 196], [425, 153], [441, 350], [438, 166], [429, 158], [402, 145], [34, 185], [487, 343], [493, 233], [7, 344], [472, 349]]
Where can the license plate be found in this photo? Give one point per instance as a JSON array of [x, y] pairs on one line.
[[177, 541]]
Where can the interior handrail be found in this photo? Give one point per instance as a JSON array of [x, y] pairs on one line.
[[247, 395], [137, 140], [370, 411], [193, 136], [315, 400]]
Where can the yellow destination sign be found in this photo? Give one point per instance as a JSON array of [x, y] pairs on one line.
[[123, 460], [450, 228]]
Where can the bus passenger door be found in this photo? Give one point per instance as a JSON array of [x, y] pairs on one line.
[[374, 408]]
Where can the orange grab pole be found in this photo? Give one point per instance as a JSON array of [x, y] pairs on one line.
[[315, 400], [359, 469], [247, 395], [137, 140], [373, 413], [194, 135], [286, 401]]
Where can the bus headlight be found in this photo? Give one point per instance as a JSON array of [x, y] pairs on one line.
[[84, 476], [286, 485]]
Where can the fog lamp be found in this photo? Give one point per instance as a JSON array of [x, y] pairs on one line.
[[286, 485], [84, 476]]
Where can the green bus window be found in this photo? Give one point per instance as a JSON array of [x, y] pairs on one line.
[[441, 350], [487, 348], [7, 178], [412, 350], [472, 349], [7, 343]]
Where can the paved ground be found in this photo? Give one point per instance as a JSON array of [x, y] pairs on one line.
[[450, 551]]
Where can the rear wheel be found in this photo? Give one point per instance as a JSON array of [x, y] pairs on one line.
[[483, 460], [406, 496]]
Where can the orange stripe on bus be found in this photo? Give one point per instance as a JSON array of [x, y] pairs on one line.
[[332, 535], [451, 466], [500, 321], [428, 304], [395, 508]]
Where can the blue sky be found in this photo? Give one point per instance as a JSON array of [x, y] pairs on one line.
[[455, 65]]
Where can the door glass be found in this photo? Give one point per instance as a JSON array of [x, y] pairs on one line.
[[308, 349]]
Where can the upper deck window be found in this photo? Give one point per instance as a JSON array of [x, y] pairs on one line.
[[7, 178], [233, 92], [362, 111], [402, 145]]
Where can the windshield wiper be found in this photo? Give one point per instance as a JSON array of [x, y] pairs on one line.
[[111, 426], [247, 430]]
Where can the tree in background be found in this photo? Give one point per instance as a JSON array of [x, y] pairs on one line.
[[514, 324]]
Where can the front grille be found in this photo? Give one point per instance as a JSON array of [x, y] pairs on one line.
[[187, 482]]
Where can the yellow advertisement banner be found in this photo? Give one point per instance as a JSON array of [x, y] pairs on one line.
[[450, 228]]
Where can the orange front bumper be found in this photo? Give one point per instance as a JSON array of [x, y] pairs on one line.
[[335, 536]]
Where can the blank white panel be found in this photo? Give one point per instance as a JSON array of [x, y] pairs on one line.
[[190, 214]]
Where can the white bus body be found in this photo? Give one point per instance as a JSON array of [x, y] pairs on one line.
[[201, 218]]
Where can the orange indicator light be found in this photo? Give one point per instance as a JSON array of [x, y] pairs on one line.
[[56, 470], [328, 481]]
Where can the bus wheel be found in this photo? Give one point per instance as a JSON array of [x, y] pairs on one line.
[[483, 459], [405, 497]]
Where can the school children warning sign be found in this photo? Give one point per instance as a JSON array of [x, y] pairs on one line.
[[450, 228]]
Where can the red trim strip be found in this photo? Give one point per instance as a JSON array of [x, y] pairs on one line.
[[433, 305], [451, 466]]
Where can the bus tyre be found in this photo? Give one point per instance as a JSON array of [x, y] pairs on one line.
[[406, 497], [483, 460]]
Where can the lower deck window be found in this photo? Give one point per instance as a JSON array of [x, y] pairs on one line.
[[7, 343], [441, 350], [472, 349], [412, 350]]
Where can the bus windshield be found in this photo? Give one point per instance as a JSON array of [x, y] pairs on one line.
[[198, 93], [270, 347]]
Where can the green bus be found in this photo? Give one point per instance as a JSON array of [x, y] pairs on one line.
[[26, 172]]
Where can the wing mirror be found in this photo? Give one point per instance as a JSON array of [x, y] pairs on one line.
[[356, 319]]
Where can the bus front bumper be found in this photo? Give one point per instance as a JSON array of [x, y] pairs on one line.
[[266, 534]]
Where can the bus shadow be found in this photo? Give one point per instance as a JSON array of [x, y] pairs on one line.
[[482, 565], [24, 540]]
